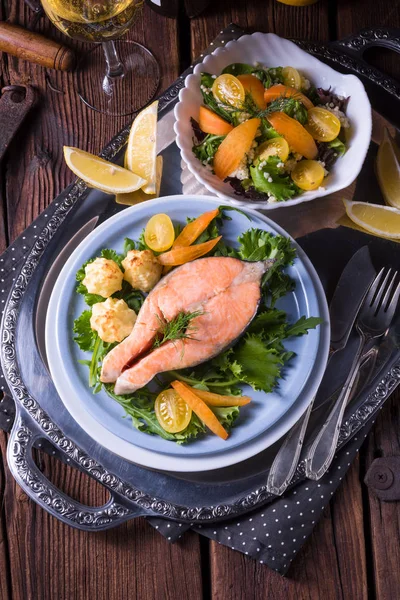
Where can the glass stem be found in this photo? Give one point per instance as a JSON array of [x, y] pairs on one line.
[[115, 68]]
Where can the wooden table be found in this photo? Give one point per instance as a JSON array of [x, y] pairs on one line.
[[354, 552]]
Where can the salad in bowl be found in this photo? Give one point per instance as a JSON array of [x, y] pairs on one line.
[[269, 132], [262, 123]]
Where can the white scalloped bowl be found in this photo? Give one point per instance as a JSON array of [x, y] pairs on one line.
[[272, 51]]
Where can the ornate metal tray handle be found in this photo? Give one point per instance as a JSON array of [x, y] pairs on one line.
[[23, 436]]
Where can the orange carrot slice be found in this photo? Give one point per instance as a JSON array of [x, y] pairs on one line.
[[283, 91], [253, 86], [193, 230], [294, 133], [200, 408], [218, 400], [233, 148], [181, 255], [209, 122]]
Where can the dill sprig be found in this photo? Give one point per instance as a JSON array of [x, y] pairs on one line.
[[179, 328]]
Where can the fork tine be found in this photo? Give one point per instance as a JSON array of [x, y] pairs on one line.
[[374, 285], [393, 303], [386, 297], [382, 286]]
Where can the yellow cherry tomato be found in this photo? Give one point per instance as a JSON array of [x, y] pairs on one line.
[[323, 125], [172, 412], [308, 175], [274, 147], [291, 77], [159, 234], [229, 90]]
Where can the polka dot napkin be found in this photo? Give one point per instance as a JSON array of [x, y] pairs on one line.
[[274, 534]]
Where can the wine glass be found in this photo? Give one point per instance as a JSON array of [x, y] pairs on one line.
[[127, 62]]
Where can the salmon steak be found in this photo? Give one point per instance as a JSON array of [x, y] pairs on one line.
[[225, 291]]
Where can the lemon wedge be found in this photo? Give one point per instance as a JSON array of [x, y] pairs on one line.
[[141, 151], [388, 170], [139, 195], [101, 174], [383, 221]]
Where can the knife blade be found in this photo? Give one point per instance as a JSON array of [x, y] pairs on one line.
[[349, 293], [345, 304]]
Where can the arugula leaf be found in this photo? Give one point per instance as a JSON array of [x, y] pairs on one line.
[[338, 146], [133, 298], [267, 131], [281, 187], [205, 150], [112, 255], [276, 74], [270, 323], [140, 407], [193, 430], [302, 326], [244, 69], [85, 336], [238, 69], [261, 367], [257, 244], [91, 299], [226, 415], [128, 245]]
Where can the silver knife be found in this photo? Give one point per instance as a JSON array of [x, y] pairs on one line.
[[349, 294]]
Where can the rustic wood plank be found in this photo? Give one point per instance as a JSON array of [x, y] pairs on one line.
[[310, 22], [331, 565], [51, 560], [5, 590], [48, 559], [384, 517]]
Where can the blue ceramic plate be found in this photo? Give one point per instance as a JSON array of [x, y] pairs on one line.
[[261, 423]]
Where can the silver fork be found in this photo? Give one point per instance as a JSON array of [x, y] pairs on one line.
[[373, 321]]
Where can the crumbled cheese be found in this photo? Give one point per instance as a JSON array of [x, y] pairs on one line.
[[242, 172], [270, 180], [290, 165], [321, 188], [244, 116], [256, 64], [321, 162], [250, 154], [344, 121], [272, 199], [205, 89], [305, 83], [280, 165], [213, 77]]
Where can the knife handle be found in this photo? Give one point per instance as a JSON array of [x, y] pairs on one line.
[[35, 48], [322, 451], [287, 458]]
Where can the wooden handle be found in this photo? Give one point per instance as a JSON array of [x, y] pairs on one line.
[[35, 48]]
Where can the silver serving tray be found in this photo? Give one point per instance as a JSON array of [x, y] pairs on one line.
[[41, 419]]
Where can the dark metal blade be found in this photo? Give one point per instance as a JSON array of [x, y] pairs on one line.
[[353, 284]]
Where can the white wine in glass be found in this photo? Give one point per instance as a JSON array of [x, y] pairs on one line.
[[103, 22]]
